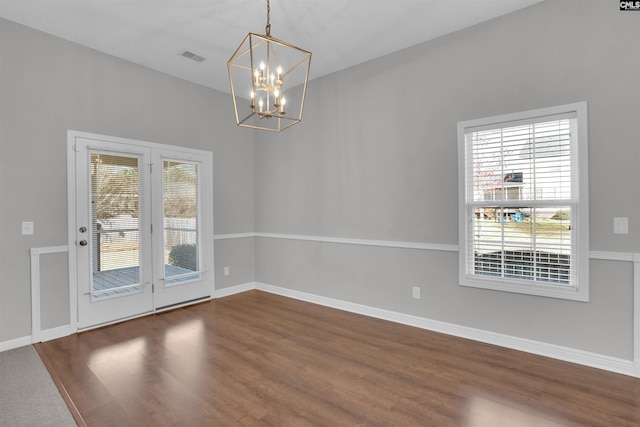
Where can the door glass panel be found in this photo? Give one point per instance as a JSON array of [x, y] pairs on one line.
[[115, 225], [180, 208]]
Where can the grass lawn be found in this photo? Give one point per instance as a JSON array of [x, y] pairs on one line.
[[551, 235]]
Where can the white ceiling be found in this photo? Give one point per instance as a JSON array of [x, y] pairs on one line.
[[339, 33]]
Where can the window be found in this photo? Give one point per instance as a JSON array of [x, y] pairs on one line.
[[181, 208], [524, 202]]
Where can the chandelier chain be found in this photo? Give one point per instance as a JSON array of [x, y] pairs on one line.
[[268, 28]]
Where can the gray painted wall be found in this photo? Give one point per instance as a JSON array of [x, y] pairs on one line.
[[47, 86], [375, 157]]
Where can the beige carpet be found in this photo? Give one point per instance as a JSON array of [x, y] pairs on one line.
[[28, 396]]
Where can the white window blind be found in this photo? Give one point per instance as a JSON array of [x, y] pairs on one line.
[[181, 207], [521, 203], [115, 224]]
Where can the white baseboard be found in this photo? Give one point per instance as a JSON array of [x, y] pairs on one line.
[[54, 333], [65, 330], [595, 360], [567, 354], [15, 343], [225, 292]]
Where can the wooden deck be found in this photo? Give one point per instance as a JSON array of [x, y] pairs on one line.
[[121, 281]]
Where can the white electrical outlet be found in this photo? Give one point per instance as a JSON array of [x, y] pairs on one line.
[[226, 271], [27, 228], [416, 292]]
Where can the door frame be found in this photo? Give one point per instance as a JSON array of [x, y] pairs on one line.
[[206, 208]]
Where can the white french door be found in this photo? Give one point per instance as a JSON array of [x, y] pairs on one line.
[[182, 238], [142, 234]]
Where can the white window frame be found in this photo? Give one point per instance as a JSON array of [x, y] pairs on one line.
[[578, 288]]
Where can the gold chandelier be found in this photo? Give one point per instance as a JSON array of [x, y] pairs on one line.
[[258, 71]]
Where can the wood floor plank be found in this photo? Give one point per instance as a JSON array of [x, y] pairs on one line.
[[257, 359]]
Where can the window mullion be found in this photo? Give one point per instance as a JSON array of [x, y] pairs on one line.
[[534, 167], [502, 213]]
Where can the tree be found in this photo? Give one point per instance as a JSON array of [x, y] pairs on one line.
[[114, 186], [180, 181]]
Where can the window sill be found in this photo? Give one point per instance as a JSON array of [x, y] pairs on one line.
[[536, 289]]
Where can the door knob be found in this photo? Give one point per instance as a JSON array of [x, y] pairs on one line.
[[83, 243], [83, 229]]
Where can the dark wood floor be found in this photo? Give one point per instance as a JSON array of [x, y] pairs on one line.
[[256, 359]]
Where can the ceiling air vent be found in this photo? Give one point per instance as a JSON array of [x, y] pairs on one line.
[[191, 55]]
